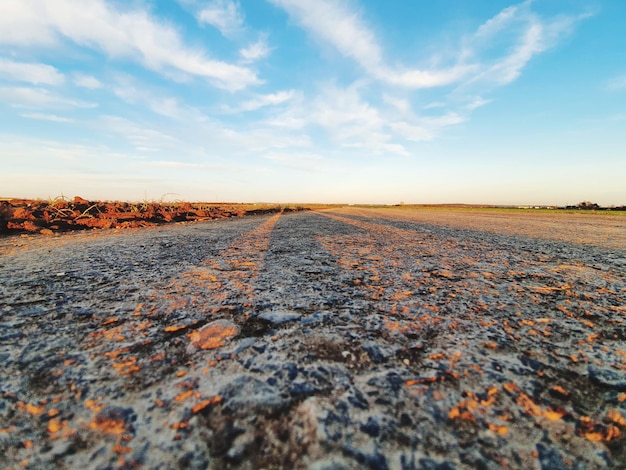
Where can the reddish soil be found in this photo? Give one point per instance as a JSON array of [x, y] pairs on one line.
[[61, 215]]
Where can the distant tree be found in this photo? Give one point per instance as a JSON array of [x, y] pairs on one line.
[[586, 205]]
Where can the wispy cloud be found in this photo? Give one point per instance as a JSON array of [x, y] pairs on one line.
[[520, 34], [379, 143], [35, 73], [138, 135], [46, 117], [476, 102], [524, 33], [344, 113], [401, 104], [86, 81], [133, 92], [617, 83], [412, 132], [333, 23], [307, 162], [177, 165], [225, 15], [27, 97], [130, 33], [257, 50], [270, 99], [426, 128]]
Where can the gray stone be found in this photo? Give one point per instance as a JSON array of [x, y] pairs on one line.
[[607, 378], [280, 317]]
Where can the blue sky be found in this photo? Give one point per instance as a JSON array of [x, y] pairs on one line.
[[356, 101]]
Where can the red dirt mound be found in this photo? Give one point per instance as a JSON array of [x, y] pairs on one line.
[[47, 217]]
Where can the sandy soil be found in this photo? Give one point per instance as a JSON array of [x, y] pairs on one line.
[[326, 340], [600, 228]]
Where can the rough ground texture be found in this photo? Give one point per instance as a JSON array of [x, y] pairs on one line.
[[322, 340]]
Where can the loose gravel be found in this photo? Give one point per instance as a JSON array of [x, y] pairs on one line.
[[338, 339]]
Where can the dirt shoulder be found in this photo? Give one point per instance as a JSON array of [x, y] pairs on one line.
[[62, 215], [600, 229]]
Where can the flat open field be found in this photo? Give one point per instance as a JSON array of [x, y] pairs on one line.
[[342, 338]]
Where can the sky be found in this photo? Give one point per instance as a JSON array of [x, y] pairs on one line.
[[329, 101]]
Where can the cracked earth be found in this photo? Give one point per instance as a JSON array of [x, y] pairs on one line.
[[337, 339]]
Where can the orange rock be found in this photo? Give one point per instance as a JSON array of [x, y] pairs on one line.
[[614, 416], [110, 422], [203, 404], [213, 335], [32, 409]]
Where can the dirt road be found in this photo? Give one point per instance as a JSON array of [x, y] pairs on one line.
[[326, 340]]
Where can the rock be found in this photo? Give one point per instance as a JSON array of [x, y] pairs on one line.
[[430, 464], [372, 427], [213, 335], [280, 317], [552, 459], [374, 461], [330, 464], [114, 420], [607, 378], [246, 394], [358, 399], [377, 353], [302, 389], [239, 447]]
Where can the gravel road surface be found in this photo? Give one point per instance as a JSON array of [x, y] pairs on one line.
[[351, 338]]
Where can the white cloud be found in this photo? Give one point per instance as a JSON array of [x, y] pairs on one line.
[[522, 34], [477, 102], [177, 165], [333, 23], [425, 78], [400, 104], [425, 128], [519, 33], [434, 105], [260, 140], [44, 153], [24, 23], [139, 136], [46, 117], [86, 81], [617, 83], [99, 25], [271, 99], [292, 118], [412, 132], [225, 15], [343, 112], [378, 143], [300, 161], [25, 97], [257, 50], [35, 73], [499, 22], [134, 92]]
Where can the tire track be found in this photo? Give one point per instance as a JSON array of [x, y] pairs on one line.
[[202, 308], [222, 286], [470, 306]]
